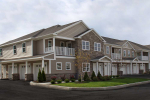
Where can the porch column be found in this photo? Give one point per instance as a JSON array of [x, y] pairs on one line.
[[49, 66], [131, 67], [42, 63], [26, 67], [108, 68], [0, 71], [12, 67], [97, 67], [136, 68], [143, 67], [54, 46]]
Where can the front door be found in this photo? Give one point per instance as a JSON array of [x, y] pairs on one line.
[[4, 71], [22, 71], [105, 69], [114, 69]]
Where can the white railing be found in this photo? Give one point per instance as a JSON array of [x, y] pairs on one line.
[[49, 49], [116, 56], [143, 57], [65, 51]]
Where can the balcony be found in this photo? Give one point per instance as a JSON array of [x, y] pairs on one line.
[[143, 58], [116, 56], [61, 51]]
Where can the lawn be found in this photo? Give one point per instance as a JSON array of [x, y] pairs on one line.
[[112, 82]]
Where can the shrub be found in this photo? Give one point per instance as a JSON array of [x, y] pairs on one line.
[[67, 80], [52, 82], [86, 77], [72, 80], [99, 76], [114, 76], [53, 78], [104, 78], [43, 75], [72, 77], [59, 81], [40, 79], [79, 79], [120, 78], [117, 75], [93, 75], [63, 78], [95, 79]]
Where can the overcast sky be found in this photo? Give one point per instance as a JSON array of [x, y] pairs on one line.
[[119, 19]]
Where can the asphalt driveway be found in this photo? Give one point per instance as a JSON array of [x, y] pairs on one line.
[[20, 90]]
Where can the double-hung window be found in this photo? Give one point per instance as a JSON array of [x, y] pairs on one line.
[[128, 53], [68, 66], [97, 46], [15, 49], [85, 45], [58, 65], [124, 53], [24, 47], [1, 52], [107, 50], [85, 67], [132, 53]]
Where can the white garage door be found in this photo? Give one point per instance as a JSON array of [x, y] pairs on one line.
[[23, 70], [134, 69], [142, 67], [128, 69], [36, 67], [114, 69]]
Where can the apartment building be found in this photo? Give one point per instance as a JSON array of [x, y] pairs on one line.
[[56, 50]]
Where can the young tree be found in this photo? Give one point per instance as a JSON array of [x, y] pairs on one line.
[[43, 75], [40, 76]]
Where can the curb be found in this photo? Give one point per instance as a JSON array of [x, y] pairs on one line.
[[48, 85]]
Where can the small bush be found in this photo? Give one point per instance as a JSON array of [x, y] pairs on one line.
[[53, 78], [120, 78], [114, 76], [104, 78], [63, 78], [99, 76], [59, 81], [117, 75], [43, 75], [93, 75], [67, 80], [72, 80], [79, 79], [72, 77], [86, 77], [52, 82], [95, 79], [40, 78]]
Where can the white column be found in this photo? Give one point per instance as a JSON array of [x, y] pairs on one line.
[[32, 47], [26, 67], [42, 64], [108, 68], [12, 67], [49, 66], [97, 67], [136, 68], [0, 71], [131, 68], [54, 44]]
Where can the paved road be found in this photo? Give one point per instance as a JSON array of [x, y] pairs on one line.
[[20, 90]]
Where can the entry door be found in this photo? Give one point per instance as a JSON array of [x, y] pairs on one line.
[[142, 67], [22, 71], [114, 69], [123, 69], [128, 69], [105, 69], [94, 68], [100, 68], [4, 72], [10, 71], [134, 69]]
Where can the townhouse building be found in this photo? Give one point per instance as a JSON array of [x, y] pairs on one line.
[[56, 50]]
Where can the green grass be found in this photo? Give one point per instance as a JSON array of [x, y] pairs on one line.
[[112, 82]]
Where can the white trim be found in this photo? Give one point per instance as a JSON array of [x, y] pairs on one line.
[[105, 57], [108, 50], [129, 44], [133, 54], [68, 43], [14, 49], [44, 45], [66, 57], [85, 45], [65, 38], [86, 66], [61, 65], [70, 65], [128, 53], [24, 47], [32, 47], [124, 53], [50, 67], [48, 43], [63, 43]]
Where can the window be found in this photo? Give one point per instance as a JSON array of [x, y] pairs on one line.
[[85, 67], [119, 50], [59, 66], [23, 47], [85, 45], [132, 53], [97, 46], [1, 52], [62, 44], [68, 66], [69, 44], [128, 53], [15, 49], [124, 53], [49, 43], [107, 49]]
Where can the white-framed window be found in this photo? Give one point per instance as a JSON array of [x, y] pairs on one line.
[[124, 53], [62, 44], [97, 46], [132, 53], [128, 53], [1, 52], [85, 45], [68, 65], [69, 44], [107, 50], [24, 47], [14, 49], [58, 65], [119, 50], [85, 67], [49, 43]]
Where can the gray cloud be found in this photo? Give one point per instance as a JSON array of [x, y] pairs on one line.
[[120, 19]]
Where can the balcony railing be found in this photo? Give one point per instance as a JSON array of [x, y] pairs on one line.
[[116, 56], [144, 58], [65, 51], [49, 49]]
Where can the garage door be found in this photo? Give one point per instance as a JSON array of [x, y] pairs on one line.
[[134, 69], [23, 70], [114, 69], [128, 69], [142, 67], [123, 68]]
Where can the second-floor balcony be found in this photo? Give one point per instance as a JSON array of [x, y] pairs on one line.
[[61, 51], [116, 56], [144, 58]]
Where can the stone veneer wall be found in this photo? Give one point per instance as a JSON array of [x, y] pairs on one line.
[[91, 37], [48, 76], [15, 77], [28, 77]]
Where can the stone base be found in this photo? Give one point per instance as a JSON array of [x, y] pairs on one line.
[[28, 77], [67, 76], [15, 77], [141, 71], [120, 73]]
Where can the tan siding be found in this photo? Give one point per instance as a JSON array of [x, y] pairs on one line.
[[8, 51], [73, 31], [39, 47]]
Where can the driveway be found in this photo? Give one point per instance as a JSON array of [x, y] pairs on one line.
[[20, 90]]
